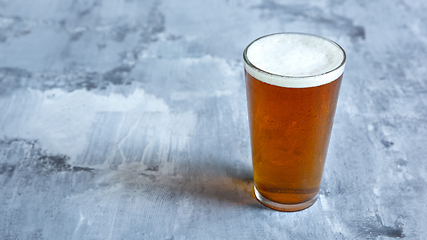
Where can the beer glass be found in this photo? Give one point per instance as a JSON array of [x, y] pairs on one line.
[[292, 86]]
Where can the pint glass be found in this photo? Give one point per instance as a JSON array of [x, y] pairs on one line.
[[292, 86]]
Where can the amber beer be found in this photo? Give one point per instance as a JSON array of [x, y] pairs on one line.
[[292, 86]]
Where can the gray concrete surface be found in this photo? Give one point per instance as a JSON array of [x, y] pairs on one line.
[[127, 120]]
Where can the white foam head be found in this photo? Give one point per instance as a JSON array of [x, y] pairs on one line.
[[294, 60]]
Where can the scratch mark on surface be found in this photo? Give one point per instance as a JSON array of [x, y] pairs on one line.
[[128, 133], [113, 223]]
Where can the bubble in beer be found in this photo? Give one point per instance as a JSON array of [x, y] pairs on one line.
[[294, 60]]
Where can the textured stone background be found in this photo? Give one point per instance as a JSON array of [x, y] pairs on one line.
[[127, 120]]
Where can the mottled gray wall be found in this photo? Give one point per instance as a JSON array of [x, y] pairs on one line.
[[127, 120]]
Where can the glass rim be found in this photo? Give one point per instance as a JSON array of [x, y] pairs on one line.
[[247, 61]]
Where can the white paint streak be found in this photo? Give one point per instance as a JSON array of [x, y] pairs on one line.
[[81, 220], [62, 121], [324, 203]]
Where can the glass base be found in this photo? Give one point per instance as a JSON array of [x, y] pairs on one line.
[[284, 207]]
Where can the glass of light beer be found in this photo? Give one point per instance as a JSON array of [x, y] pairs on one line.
[[292, 86]]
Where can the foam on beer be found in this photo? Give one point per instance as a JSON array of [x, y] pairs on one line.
[[294, 60]]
